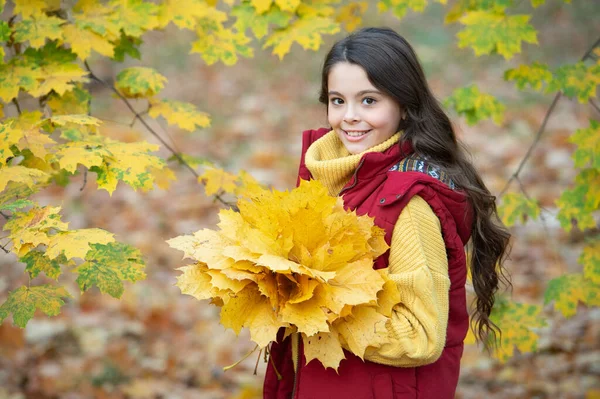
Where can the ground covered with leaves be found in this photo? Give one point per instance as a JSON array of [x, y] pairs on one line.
[[158, 343]]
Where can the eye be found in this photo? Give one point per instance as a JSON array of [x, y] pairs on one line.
[[369, 101], [336, 101]]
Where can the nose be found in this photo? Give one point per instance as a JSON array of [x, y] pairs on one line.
[[351, 115]]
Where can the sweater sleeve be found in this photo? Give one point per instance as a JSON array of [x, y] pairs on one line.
[[418, 264]]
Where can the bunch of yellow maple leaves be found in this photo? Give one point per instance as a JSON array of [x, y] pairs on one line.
[[295, 260]]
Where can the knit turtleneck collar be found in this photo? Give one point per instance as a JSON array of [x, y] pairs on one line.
[[329, 162]]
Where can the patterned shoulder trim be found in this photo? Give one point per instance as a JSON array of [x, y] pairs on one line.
[[413, 163]]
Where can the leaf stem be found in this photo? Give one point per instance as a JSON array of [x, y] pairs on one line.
[[242, 359], [138, 116]]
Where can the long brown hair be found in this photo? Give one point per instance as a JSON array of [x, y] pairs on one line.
[[393, 67]]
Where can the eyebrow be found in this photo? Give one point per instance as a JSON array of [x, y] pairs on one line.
[[360, 93]]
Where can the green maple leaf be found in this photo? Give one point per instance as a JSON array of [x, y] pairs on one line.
[[136, 82], [15, 205], [107, 266], [580, 202], [577, 80], [134, 16], [590, 259], [76, 101], [38, 262], [4, 31], [487, 32], [516, 320], [588, 146], [23, 302], [515, 207], [37, 29], [127, 45], [475, 106], [534, 75], [569, 289], [246, 17], [400, 7], [221, 44]]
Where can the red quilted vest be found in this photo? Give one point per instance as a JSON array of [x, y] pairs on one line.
[[382, 193]]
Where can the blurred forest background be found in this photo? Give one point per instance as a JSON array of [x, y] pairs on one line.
[[158, 343]]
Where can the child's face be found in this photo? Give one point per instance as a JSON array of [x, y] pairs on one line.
[[361, 115]]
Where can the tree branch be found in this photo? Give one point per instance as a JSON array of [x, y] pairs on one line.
[[537, 138], [589, 53], [152, 131], [4, 249], [16, 103], [593, 104]]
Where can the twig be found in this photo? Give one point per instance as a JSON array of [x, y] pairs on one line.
[[5, 216], [537, 138], [16, 103], [4, 249], [154, 133], [85, 173], [593, 104]]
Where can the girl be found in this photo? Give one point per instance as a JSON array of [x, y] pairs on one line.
[[391, 153]]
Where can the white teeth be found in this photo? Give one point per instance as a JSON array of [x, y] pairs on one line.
[[356, 134]]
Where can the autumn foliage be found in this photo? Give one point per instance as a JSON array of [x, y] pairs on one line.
[[45, 49]]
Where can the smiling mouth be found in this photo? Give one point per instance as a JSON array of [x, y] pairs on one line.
[[356, 133]]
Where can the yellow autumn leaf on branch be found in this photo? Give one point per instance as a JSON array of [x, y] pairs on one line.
[[21, 174], [184, 115], [217, 180], [306, 32], [296, 260], [83, 41], [37, 29]]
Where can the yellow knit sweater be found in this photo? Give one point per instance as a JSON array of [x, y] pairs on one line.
[[417, 263]]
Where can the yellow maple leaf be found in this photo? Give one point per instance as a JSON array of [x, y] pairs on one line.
[[8, 137], [261, 6], [60, 78], [305, 31], [256, 267], [21, 174], [351, 15], [35, 140], [184, 115], [250, 309], [288, 5], [37, 29], [80, 152], [83, 41], [76, 243], [30, 229], [28, 8], [13, 77], [217, 180], [183, 13], [163, 177], [97, 16], [325, 347], [363, 328]]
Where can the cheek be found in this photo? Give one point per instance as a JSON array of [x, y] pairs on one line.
[[333, 117]]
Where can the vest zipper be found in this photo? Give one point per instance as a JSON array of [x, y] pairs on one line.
[[354, 178], [296, 359]]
